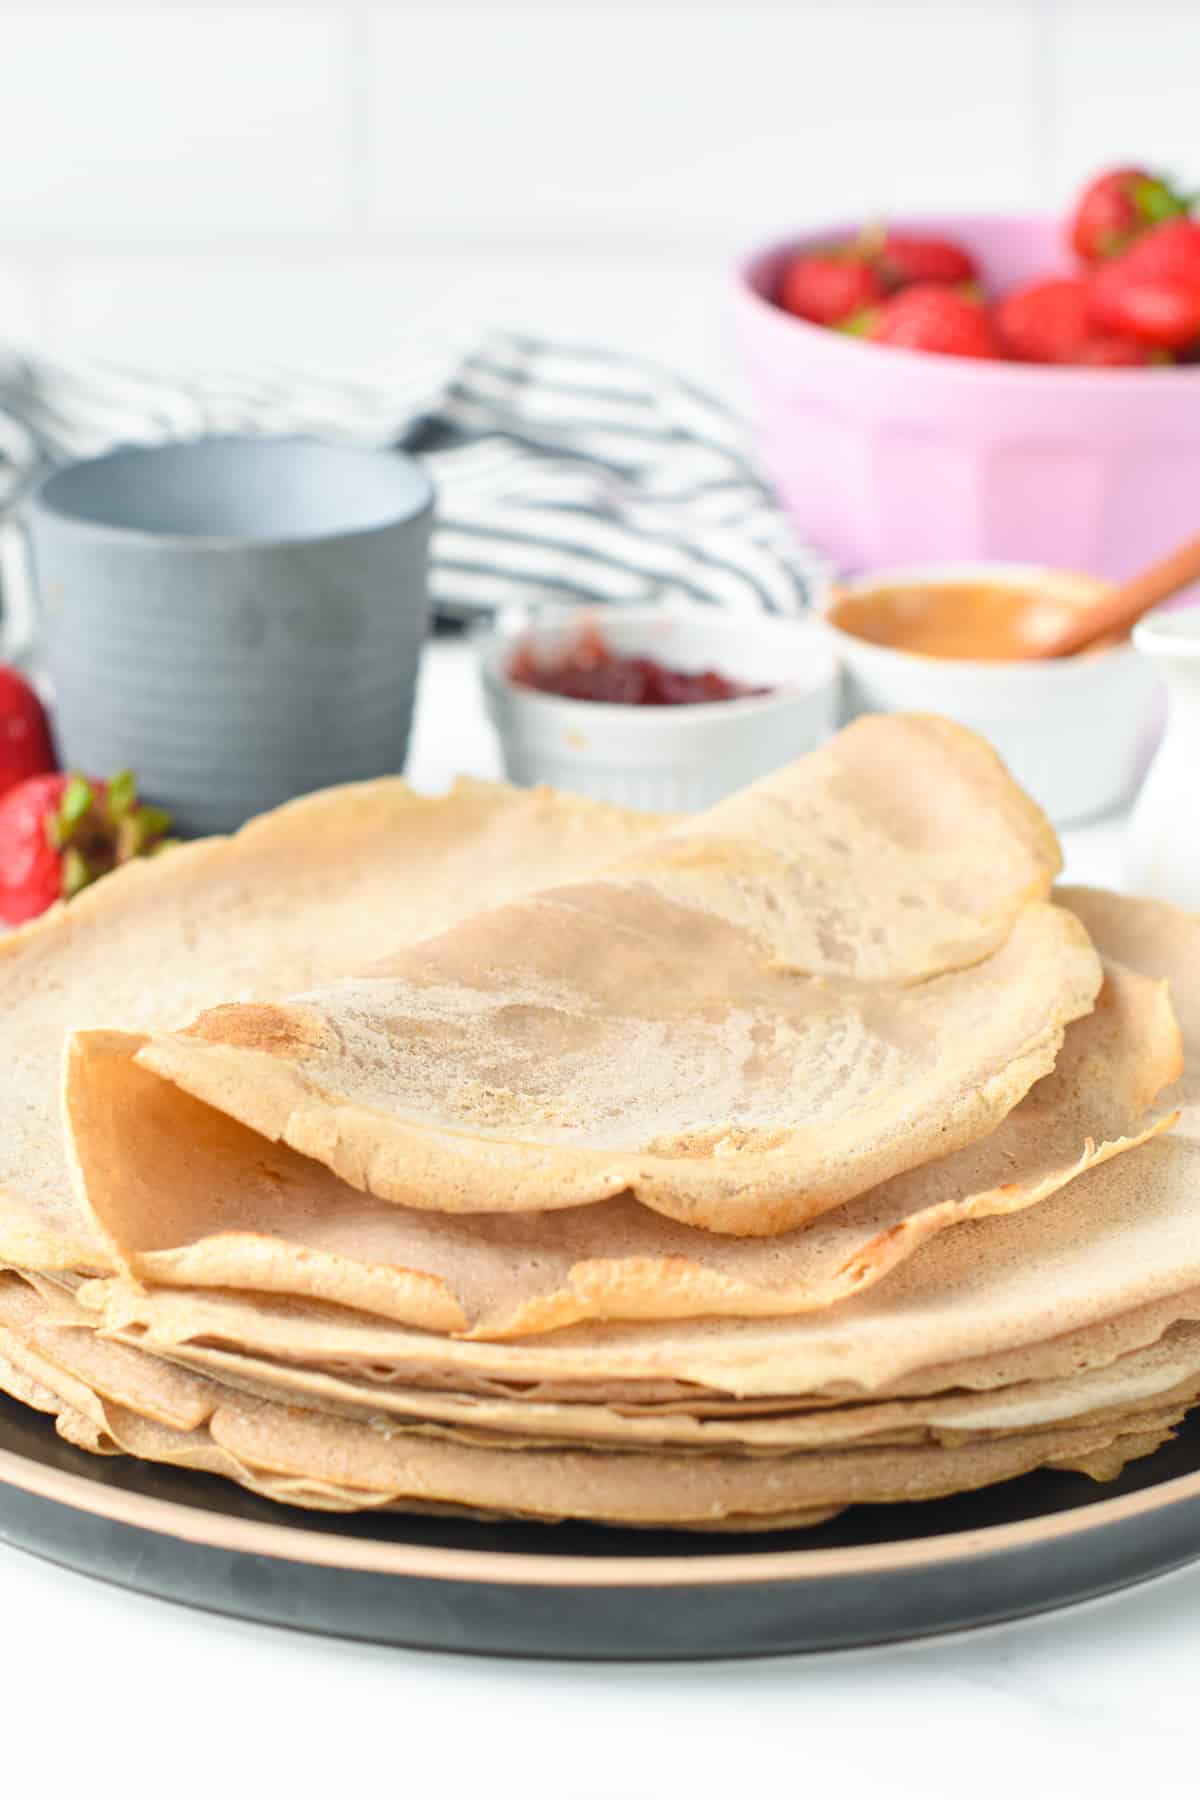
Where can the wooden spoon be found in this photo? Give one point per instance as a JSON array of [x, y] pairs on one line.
[[1115, 612]]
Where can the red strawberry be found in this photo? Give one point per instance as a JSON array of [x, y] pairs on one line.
[[827, 286], [1046, 321], [1152, 291], [59, 832], [25, 747], [930, 317], [1119, 353], [1163, 314], [905, 260], [1169, 252], [1118, 207]]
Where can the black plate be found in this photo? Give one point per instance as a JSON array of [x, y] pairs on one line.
[[873, 1575]]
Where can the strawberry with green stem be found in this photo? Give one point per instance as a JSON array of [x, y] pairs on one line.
[[59, 833], [1118, 207]]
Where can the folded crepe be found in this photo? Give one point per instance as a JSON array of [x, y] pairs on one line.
[[1118, 1248], [822, 983], [301, 895], [877, 925], [1082, 1304], [239, 1213]]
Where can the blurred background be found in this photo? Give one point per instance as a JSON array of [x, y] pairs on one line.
[[235, 185]]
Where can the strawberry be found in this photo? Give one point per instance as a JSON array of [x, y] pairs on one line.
[[905, 260], [931, 317], [58, 833], [1119, 353], [1152, 291], [827, 286], [1046, 321], [1118, 207], [25, 747], [1162, 314], [1169, 252]]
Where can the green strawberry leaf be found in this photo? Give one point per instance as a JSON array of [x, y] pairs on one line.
[[137, 831], [122, 793], [152, 821], [1156, 202], [75, 805], [75, 874]]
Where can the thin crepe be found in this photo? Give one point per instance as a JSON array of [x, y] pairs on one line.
[[300, 895], [824, 982], [53, 1333], [1075, 1352], [239, 1212], [1117, 1365], [321, 1460], [1167, 1370], [644, 1488], [1123, 1236]]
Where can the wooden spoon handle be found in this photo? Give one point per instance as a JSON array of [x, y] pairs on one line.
[[1126, 604]]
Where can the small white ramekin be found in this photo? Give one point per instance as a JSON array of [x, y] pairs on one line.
[[1076, 732], [666, 758]]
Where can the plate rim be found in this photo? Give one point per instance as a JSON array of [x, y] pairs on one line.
[[203, 1527]]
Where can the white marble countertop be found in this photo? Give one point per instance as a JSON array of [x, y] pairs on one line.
[[134, 1696]]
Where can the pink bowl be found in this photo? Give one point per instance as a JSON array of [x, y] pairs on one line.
[[894, 456]]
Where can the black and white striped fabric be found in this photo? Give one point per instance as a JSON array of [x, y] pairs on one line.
[[564, 474]]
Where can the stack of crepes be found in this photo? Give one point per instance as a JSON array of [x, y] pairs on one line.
[[510, 1154]]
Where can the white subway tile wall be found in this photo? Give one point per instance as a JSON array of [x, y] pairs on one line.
[[669, 123], [162, 126], [1130, 87], [308, 183]]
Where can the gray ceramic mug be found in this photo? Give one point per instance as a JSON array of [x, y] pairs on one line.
[[237, 620]]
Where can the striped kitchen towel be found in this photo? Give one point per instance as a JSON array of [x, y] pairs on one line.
[[564, 473]]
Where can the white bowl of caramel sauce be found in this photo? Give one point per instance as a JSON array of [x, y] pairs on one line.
[[1075, 731]]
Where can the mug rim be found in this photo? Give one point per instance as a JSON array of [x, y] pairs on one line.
[[41, 500]]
